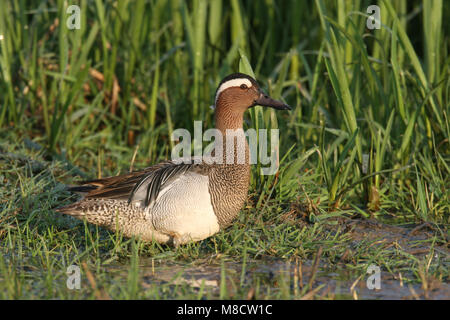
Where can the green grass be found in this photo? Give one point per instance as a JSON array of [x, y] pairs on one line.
[[368, 138]]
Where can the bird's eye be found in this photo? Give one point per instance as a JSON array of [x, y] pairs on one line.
[[244, 86]]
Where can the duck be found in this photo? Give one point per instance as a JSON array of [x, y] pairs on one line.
[[177, 202]]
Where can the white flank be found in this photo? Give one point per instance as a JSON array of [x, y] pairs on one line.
[[184, 208], [232, 83]]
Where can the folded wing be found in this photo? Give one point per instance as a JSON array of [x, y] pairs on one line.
[[143, 185]]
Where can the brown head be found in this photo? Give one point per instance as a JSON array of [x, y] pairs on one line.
[[235, 94]]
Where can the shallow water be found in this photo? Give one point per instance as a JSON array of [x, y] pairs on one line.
[[339, 281], [267, 277]]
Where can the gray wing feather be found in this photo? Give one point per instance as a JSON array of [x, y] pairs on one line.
[[154, 181]]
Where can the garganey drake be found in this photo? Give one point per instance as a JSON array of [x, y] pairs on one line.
[[177, 202]]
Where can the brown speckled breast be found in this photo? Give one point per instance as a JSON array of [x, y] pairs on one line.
[[228, 187]]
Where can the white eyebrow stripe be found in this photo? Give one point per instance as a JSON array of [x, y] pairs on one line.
[[232, 83]]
